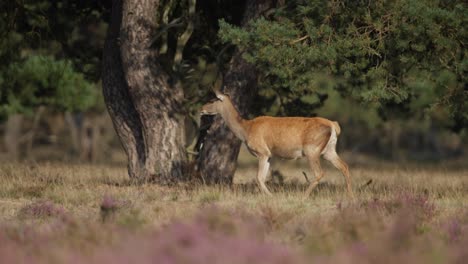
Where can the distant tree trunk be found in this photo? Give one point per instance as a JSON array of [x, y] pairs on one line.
[[89, 138], [32, 132], [96, 143], [12, 135], [217, 159], [141, 99], [74, 127]]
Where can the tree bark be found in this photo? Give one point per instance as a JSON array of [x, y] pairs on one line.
[[155, 95], [116, 96], [141, 97], [217, 158]]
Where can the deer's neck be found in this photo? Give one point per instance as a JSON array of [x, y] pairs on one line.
[[235, 122]]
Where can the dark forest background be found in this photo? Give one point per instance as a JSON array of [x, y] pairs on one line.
[[393, 73]]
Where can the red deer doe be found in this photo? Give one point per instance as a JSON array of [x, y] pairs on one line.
[[285, 137]]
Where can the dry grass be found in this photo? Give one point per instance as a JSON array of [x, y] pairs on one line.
[[99, 198]]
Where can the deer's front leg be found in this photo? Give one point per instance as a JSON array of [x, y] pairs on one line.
[[263, 166]]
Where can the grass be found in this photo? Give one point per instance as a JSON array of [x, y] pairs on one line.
[[408, 213]]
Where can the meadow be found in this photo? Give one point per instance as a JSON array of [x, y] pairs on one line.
[[74, 213]]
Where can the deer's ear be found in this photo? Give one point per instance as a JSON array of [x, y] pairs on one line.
[[216, 87], [220, 96]]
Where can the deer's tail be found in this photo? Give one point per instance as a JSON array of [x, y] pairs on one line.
[[336, 127]]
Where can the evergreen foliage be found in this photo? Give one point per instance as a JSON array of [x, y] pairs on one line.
[[42, 80], [36, 36], [407, 58]]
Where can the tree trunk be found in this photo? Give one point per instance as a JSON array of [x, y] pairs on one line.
[[217, 159], [116, 96], [155, 97], [32, 132], [142, 100], [96, 146], [12, 135], [74, 127]]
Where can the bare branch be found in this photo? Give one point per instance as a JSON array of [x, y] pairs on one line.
[[369, 182], [305, 176], [182, 40], [165, 20], [299, 39], [173, 24]]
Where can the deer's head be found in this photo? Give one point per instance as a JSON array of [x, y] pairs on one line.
[[216, 106]]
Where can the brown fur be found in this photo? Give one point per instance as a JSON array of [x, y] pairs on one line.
[[285, 137]]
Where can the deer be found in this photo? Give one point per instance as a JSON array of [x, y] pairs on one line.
[[285, 137]]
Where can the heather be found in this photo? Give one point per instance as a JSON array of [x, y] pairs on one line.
[[52, 213]]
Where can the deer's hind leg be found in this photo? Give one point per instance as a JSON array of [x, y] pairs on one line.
[[314, 163], [333, 157], [263, 167]]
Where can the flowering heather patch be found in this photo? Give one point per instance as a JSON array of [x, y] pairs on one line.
[[110, 206], [454, 230], [398, 243], [419, 204], [43, 209], [212, 237], [206, 224], [396, 230], [109, 203], [12, 253], [236, 236]]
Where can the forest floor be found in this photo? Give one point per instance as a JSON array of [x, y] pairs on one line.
[[57, 212]]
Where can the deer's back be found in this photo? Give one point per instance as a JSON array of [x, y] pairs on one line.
[[287, 136]]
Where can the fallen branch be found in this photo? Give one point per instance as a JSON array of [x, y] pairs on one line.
[[305, 176], [369, 182]]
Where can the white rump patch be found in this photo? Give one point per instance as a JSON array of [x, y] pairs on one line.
[[330, 149]]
